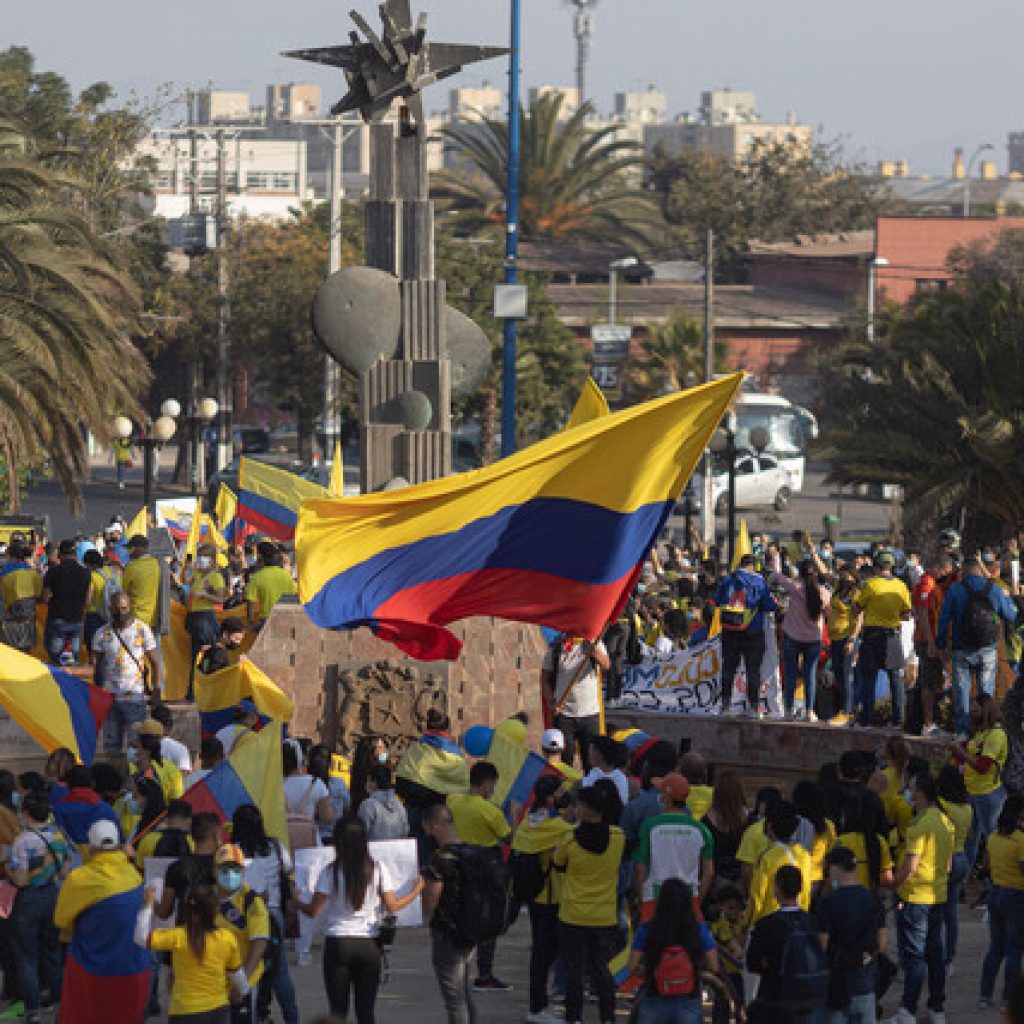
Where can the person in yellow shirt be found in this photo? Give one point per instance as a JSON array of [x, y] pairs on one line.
[[20, 589], [695, 771], [755, 840], [983, 757], [1004, 857], [152, 762], [206, 962], [921, 885], [840, 625], [105, 580], [267, 585], [141, 582], [880, 607], [480, 822], [541, 832], [207, 591], [781, 823], [955, 805], [588, 908], [810, 805]]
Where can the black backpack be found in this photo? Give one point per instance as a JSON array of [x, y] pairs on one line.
[[803, 968], [482, 908], [528, 876], [979, 625]]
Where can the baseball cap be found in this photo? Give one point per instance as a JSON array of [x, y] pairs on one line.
[[149, 727], [229, 853], [103, 835], [553, 739], [674, 785], [885, 558]]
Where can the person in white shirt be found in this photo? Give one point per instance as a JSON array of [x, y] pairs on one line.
[[603, 753], [351, 892], [572, 689], [173, 750], [246, 719]]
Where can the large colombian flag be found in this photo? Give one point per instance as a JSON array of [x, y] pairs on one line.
[[551, 535], [219, 693], [269, 498], [55, 708]]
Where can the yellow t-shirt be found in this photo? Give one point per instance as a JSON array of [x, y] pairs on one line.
[[990, 743], [854, 841], [20, 584], [762, 886], [1005, 857], [590, 881], [267, 586], [884, 601], [147, 845], [169, 776], [726, 931], [840, 619], [200, 985], [961, 816], [931, 836], [542, 838], [141, 582], [823, 842], [699, 801], [753, 844], [211, 580], [477, 820], [99, 583], [245, 915]]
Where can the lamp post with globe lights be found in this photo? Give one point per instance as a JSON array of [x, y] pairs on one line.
[[204, 413], [151, 436]]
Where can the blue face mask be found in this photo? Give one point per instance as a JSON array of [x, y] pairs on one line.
[[230, 879], [131, 805], [15, 799], [382, 757]]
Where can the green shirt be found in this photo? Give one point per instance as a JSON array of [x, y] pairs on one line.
[[267, 586], [672, 845]]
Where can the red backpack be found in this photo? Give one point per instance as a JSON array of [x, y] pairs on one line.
[[674, 975]]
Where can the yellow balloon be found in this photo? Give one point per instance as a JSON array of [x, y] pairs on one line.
[[513, 730]]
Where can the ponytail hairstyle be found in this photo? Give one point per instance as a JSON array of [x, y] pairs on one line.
[[353, 865], [812, 589], [200, 917]]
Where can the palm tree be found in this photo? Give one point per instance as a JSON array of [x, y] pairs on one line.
[[575, 181], [68, 362], [671, 355]]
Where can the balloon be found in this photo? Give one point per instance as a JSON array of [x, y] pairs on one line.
[[477, 741], [513, 730]]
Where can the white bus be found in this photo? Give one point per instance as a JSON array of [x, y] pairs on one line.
[[789, 427]]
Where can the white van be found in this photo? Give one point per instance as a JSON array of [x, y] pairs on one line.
[[789, 427]]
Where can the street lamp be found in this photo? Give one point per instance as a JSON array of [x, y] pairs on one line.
[[626, 263], [150, 438], [723, 444], [205, 412], [983, 148], [873, 266]]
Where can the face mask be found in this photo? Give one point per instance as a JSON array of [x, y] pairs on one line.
[[204, 562], [121, 618], [382, 757], [15, 800], [232, 645], [230, 878], [131, 805]]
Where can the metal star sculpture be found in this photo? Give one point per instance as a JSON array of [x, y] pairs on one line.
[[396, 65]]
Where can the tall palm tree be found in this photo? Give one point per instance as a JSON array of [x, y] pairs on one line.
[[671, 353], [576, 182], [68, 364]]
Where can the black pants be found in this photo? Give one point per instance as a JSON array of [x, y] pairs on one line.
[[543, 951], [352, 964], [748, 645], [581, 947], [218, 1016], [616, 642], [578, 731]]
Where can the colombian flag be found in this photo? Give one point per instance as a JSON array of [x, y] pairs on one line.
[[176, 648], [551, 535], [218, 694], [269, 498], [55, 708], [435, 762], [106, 975], [518, 772]]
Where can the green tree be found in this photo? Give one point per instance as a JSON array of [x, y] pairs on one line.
[[576, 182], [66, 314], [934, 404], [670, 353]]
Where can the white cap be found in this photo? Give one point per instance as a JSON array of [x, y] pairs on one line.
[[553, 739], [103, 835]]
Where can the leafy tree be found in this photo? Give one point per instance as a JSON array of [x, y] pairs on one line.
[[934, 404], [576, 182], [670, 352]]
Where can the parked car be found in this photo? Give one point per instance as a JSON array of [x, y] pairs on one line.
[[760, 481]]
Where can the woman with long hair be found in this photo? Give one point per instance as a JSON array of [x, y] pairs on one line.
[[802, 627], [1005, 903], [206, 962], [319, 761], [355, 891], [152, 762], [147, 800], [727, 820], [984, 756], [810, 802], [955, 805], [840, 626], [857, 832], [673, 925], [269, 872]]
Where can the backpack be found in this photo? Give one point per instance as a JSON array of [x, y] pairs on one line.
[[172, 843], [979, 624], [483, 900], [528, 876], [735, 615], [303, 833], [674, 975], [802, 967]]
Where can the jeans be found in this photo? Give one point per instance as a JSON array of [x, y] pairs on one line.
[[669, 1010], [124, 713], [59, 632], [982, 662], [860, 1011], [841, 673], [578, 731], [92, 623], [543, 950], [351, 965], [800, 657], [747, 645], [873, 651], [451, 965], [581, 947], [954, 886], [983, 824], [276, 980], [1005, 939], [919, 941], [39, 952]]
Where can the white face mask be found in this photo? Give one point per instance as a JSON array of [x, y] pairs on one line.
[[204, 562]]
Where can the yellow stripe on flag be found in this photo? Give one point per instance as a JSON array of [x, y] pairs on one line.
[[139, 526], [192, 542], [336, 487], [589, 406], [226, 507], [743, 545], [224, 689], [258, 766]]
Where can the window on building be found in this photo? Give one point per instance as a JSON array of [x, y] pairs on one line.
[[284, 182], [924, 286], [163, 180]]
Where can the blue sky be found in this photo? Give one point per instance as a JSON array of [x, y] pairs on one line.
[[894, 78]]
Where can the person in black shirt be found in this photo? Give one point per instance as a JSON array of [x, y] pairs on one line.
[[851, 927], [67, 589], [195, 867]]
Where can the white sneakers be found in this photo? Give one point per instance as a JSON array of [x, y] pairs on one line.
[[904, 1016], [545, 1016]]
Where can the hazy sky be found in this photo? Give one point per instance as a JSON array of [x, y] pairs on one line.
[[894, 78]]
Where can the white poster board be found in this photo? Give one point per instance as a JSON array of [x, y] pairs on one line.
[[156, 870]]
